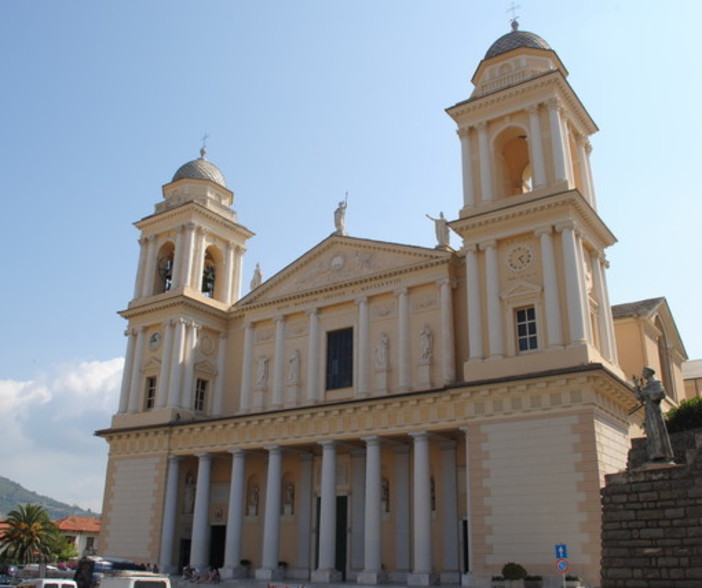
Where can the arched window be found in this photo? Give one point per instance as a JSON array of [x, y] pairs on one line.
[[164, 268], [513, 165], [212, 268]]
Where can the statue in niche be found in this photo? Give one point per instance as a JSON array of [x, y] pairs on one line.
[[289, 498], [257, 277], [385, 495], [441, 229], [261, 372], [382, 352], [294, 367], [189, 495], [340, 217], [252, 503], [426, 343], [650, 392]]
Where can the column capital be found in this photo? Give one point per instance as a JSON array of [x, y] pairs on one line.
[[279, 319], [482, 126], [205, 456], [555, 104], [372, 440], [401, 291], [328, 443], [361, 300], [314, 311], [174, 458], [485, 245], [273, 449], [544, 230], [560, 227], [471, 247], [248, 325], [533, 108], [447, 282], [464, 132], [588, 146], [419, 435]]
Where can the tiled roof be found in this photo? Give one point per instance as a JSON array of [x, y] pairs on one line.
[[79, 524], [640, 308]]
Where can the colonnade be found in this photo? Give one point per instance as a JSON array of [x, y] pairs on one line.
[[579, 328], [312, 388], [560, 155], [190, 247], [413, 540]]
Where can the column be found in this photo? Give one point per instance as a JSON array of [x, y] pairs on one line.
[[558, 146], [189, 361], [588, 167], [485, 167], [552, 303], [304, 512], [576, 320], [326, 572], [448, 360], [584, 292], [218, 399], [245, 400], [467, 165], [422, 574], [139, 281], [147, 284], [164, 373], [237, 274], [494, 305], [127, 372], [402, 508], [170, 505], [186, 261], [469, 509], [449, 513], [372, 566], [603, 265], [199, 259], [136, 383], [271, 523], [583, 164], [176, 378], [403, 343], [200, 543], [313, 356], [475, 319], [606, 338], [364, 345], [228, 273], [537, 151], [235, 516], [358, 502], [278, 362]]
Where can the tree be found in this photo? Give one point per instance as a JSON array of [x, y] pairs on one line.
[[30, 535]]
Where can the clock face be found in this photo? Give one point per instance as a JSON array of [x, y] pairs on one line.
[[155, 340], [520, 257]]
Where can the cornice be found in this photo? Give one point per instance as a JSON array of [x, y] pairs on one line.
[[172, 301]]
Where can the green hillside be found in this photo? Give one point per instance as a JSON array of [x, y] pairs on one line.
[[12, 495]]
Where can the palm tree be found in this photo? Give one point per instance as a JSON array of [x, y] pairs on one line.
[[30, 535]]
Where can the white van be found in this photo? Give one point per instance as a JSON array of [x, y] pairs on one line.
[[48, 583], [125, 579]]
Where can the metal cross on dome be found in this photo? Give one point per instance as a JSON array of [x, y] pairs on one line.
[[513, 9]]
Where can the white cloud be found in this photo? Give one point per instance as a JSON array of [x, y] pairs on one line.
[[48, 425]]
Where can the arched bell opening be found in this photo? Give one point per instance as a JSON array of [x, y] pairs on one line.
[[163, 280], [513, 165], [212, 270]]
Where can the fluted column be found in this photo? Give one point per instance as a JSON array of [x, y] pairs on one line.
[[537, 151], [552, 299], [137, 384], [467, 164], [558, 146], [218, 399], [164, 373], [603, 311], [403, 343], [363, 386], [245, 400], [494, 305], [235, 516], [168, 529], [422, 574], [278, 362], [176, 378], [448, 359], [449, 513], [200, 543], [485, 164], [475, 318], [576, 320], [187, 400], [326, 572], [313, 356], [372, 566], [127, 372], [186, 268], [271, 523]]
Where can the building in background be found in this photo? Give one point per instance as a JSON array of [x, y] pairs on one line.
[[81, 532], [383, 412]]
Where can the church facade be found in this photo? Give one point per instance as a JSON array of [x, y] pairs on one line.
[[379, 412]]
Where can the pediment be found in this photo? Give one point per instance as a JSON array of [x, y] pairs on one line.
[[340, 260], [520, 289]]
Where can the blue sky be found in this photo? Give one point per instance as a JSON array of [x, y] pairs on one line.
[[303, 100]]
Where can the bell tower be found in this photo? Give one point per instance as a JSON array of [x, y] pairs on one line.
[[533, 241], [188, 276]]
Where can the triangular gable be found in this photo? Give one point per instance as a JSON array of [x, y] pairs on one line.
[[520, 288], [339, 260]]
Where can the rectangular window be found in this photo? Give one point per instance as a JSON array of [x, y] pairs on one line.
[[200, 394], [150, 392], [340, 359], [526, 328]]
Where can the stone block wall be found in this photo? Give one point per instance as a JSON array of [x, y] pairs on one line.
[[652, 520]]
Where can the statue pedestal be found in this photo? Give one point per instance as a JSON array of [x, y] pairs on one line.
[[292, 397], [381, 381], [424, 374]]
